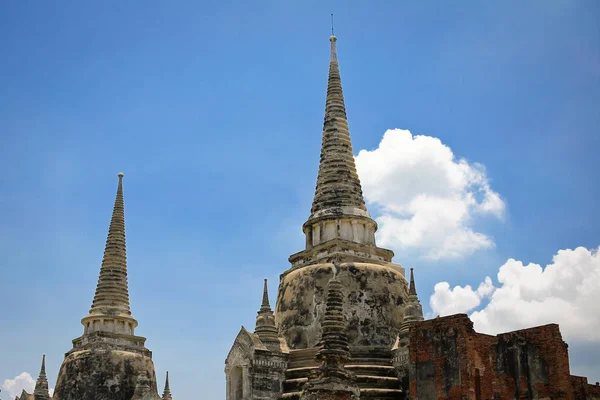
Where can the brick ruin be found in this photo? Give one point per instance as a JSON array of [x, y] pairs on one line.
[[347, 324], [384, 348], [449, 360]]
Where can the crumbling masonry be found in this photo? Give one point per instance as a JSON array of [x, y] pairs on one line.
[[347, 325], [377, 346]]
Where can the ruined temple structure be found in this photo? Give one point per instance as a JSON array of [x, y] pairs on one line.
[[108, 362], [449, 360], [340, 235], [348, 325]]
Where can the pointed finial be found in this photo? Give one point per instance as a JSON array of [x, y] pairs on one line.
[[332, 39], [265, 299], [40, 391], [412, 289], [265, 322], [112, 293], [167, 392]]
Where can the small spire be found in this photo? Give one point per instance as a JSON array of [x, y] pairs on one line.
[[41, 391], [265, 323], [332, 379], [334, 340], [265, 299], [43, 369], [412, 290], [167, 392], [112, 292], [413, 311]]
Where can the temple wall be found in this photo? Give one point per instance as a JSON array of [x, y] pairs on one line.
[[268, 374], [583, 390], [449, 360]]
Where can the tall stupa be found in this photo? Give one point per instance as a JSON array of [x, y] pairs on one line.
[[340, 236], [109, 360]]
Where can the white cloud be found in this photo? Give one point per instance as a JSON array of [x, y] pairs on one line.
[[446, 301], [21, 382], [566, 292], [14, 387], [426, 197]]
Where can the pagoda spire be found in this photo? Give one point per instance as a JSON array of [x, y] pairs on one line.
[[41, 386], [413, 311], [337, 182], [167, 392], [265, 299], [338, 210], [332, 379], [265, 323], [112, 293], [412, 290], [334, 342]]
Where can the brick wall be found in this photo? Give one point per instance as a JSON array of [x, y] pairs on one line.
[[449, 360], [583, 390]]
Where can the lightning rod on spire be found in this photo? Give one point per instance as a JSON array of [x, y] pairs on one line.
[[332, 25]]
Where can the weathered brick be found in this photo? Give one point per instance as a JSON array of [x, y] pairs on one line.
[[449, 360]]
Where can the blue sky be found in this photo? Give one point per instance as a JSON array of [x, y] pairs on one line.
[[214, 112]]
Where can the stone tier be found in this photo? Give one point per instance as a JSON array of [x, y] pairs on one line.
[[340, 250], [375, 375], [111, 341]]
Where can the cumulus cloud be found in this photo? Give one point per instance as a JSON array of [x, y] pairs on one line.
[[427, 199], [14, 387], [566, 292], [21, 382], [446, 301]]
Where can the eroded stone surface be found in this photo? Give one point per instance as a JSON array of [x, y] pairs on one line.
[[375, 296], [102, 375]]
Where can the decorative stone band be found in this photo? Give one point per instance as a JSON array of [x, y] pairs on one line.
[[358, 229], [119, 324], [401, 358], [271, 364]]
